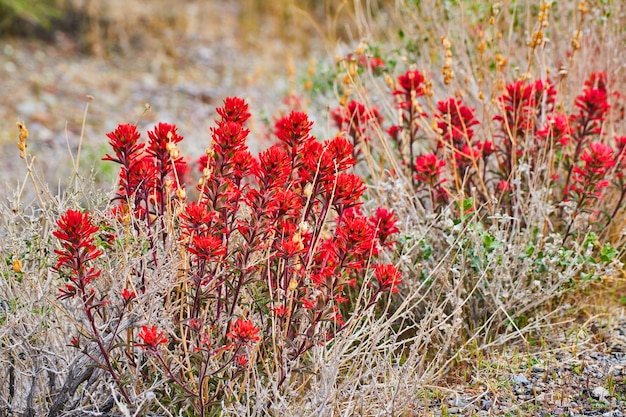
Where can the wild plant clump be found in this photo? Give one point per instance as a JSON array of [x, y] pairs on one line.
[[273, 257], [507, 204]]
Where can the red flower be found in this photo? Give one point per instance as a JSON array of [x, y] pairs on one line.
[[594, 106], [356, 119], [411, 85], [385, 222], [356, 236], [428, 169], [128, 295], [557, 129], [388, 277], [345, 191], [588, 181], [341, 152], [68, 292], [76, 233], [124, 140], [141, 178], [455, 121], [294, 131], [273, 168], [243, 331], [228, 139], [521, 104], [151, 339], [598, 159], [196, 219], [159, 138], [235, 110], [207, 247]]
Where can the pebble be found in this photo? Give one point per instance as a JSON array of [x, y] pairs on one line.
[[600, 393], [536, 369], [520, 379]]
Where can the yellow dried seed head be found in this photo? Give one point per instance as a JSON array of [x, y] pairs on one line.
[[17, 265], [389, 82], [181, 193], [361, 48], [293, 284], [308, 190]]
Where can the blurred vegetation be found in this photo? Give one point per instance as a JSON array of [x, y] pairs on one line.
[[113, 26], [23, 17]]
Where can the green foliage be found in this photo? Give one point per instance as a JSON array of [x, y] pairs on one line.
[[14, 13]]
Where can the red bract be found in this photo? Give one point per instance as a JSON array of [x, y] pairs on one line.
[[411, 85], [141, 181], [428, 169], [356, 119], [388, 278], [274, 168], [594, 106], [598, 159], [356, 236], [128, 295], [557, 129], [589, 181], [455, 121], [76, 233], [385, 222], [243, 331], [341, 153], [294, 131], [235, 110], [207, 248], [124, 141], [151, 338], [345, 191], [228, 139], [520, 106], [196, 220]]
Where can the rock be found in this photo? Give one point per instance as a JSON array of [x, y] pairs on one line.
[[600, 393], [536, 369], [520, 379], [29, 107], [486, 404]]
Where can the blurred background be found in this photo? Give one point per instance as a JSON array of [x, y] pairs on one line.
[[181, 57]]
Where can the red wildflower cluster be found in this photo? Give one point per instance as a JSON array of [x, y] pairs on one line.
[[411, 85], [593, 107], [76, 235], [385, 222], [357, 120], [151, 338], [455, 121], [285, 227], [428, 170], [556, 130], [388, 277], [589, 180], [243, 331], [147, 172], [521, 105]]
